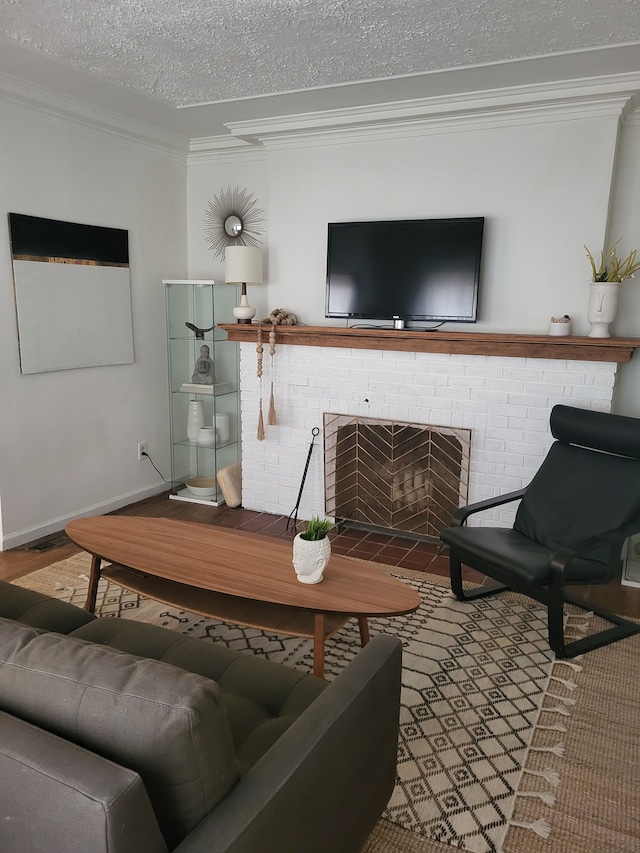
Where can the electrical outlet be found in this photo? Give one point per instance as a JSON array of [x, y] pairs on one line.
[[142, 449]]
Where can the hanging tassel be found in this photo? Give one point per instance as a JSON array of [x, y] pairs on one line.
[[260, 435], [271, 419]]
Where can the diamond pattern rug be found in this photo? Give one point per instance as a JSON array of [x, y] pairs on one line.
[[481, 693]]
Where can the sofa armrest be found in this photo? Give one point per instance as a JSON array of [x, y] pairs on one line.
[[325, 782], [55, 795]]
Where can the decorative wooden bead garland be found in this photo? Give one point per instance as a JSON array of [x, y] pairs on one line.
[[271, 417]]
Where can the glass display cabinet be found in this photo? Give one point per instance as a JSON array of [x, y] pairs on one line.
[[203, 388]]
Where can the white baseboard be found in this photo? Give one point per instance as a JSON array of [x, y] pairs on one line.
[[22, 537]]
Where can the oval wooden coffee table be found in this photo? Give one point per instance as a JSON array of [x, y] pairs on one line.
[[243, 578]]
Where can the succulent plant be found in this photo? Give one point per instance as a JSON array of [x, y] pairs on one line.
[[317, 528]]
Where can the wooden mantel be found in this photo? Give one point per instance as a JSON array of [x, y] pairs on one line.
[[465, 343]]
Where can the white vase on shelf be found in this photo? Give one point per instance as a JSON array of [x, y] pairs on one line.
[[207, 436], [603, 305], [223, 427], [559, 328], [195, 419]]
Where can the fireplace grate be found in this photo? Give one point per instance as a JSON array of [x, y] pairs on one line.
[[394, 476]]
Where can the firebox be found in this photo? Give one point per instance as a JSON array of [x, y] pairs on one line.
[[395, 477]]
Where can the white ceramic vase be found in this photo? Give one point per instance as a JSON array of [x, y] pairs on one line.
[[557, 329], [195, 419], [223, 427], [603, 305], [310, 558], [207, 436]]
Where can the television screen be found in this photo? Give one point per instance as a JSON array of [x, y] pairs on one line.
[[416, 270]]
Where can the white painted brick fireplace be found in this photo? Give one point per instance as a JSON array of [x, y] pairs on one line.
[[504, 401]]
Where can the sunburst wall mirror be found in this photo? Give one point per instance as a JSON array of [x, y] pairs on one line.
[[232, 218]]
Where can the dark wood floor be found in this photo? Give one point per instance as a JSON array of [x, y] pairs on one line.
[[391, 550]]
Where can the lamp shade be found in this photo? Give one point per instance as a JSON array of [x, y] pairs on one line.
[[243, 265]]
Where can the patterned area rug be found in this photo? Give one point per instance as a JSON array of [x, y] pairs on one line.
[[484, 703]]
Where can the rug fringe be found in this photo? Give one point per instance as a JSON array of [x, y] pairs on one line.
[[570, 685], [555, 728], [541, 827], [558, 749], [567, 700], [574, 666], [546, 796], [548, 774], [560, 709]]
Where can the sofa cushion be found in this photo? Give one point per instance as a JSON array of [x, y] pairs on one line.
[[84, 802], [166, 724], [40, 610], [262, 698]]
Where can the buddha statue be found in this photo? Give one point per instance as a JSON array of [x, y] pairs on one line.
[[203, 373]]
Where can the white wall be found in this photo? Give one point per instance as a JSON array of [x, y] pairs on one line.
[[547, 181], [625, 224], [543, 188], [206, 178], [68, 439], [544, 185]]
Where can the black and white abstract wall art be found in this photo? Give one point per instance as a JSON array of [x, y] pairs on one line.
[[72, 293]]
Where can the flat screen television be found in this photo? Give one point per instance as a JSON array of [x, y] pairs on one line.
[[422, 270]]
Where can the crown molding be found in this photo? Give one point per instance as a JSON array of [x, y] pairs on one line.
[[45, 102], [563, 101], [215, 150], [632, 115]]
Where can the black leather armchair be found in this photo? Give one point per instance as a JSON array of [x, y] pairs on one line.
[[570, 527]]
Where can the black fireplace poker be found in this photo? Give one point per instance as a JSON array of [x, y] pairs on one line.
[[293, 515]]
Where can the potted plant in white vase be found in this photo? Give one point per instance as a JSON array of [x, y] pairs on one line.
[[605, 282], [312, 549]]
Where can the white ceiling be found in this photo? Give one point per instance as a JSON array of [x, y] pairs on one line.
[[192, 65]]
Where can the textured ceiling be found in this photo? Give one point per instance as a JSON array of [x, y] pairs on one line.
[[185, 52]]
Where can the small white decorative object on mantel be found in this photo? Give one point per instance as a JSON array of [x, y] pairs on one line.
[[560, 326]]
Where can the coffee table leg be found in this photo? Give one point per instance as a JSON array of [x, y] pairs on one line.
[[318, 644], [94, 578], [363, 624]]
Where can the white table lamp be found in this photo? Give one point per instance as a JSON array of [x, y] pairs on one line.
[[243, 265]]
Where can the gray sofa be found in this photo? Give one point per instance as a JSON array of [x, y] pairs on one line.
[[124, 737]]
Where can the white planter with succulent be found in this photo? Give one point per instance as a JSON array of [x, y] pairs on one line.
[[605, 283], [560, 326], [312, 550]]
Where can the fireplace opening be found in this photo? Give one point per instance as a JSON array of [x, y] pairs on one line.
[[403, 478]]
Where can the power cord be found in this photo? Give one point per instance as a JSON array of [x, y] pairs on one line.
[[168, 482]]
